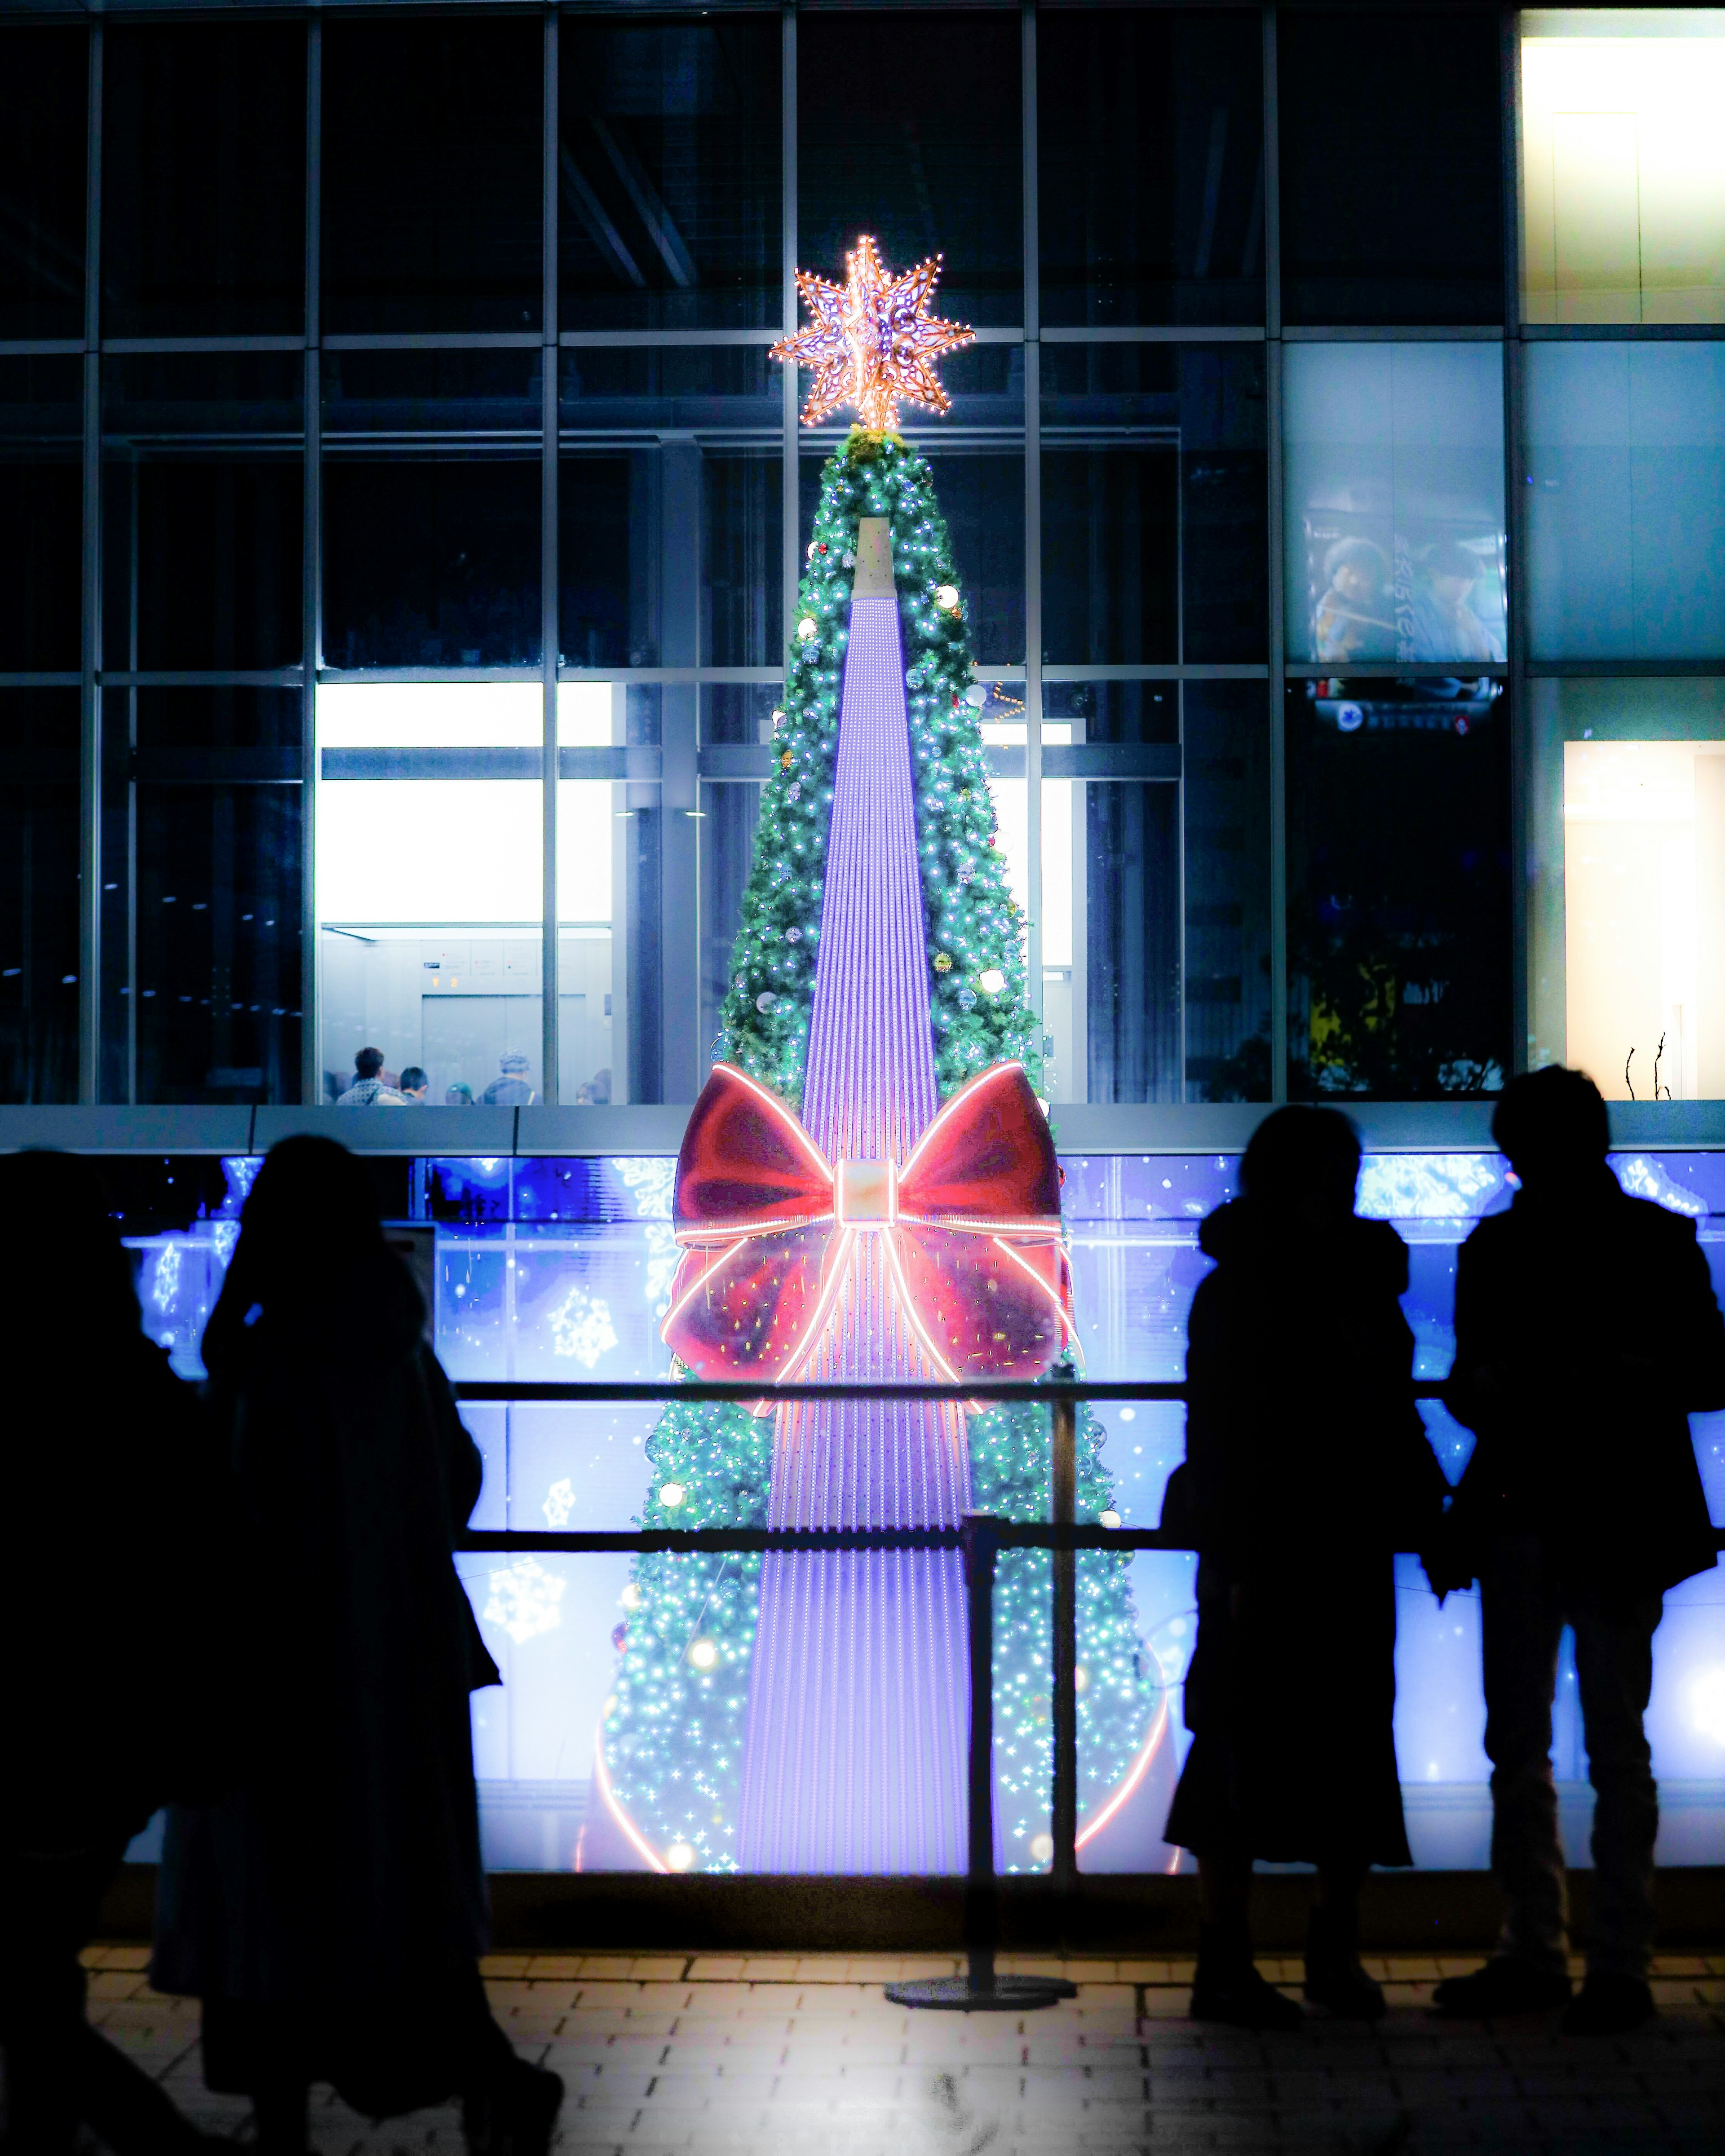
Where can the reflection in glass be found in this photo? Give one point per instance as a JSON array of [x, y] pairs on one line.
[[203, 179], [1152, 503], [44, 99], [1626, 500], [431, 509], [41, 513], [1399, 893], [221, 718], [669, 507], [1623, 165], [1132, 937], [201, 524], [1395, 545], [885, 146], [38, 895], [433, 133], [215, 1015], [1150, 132], [1391, 163], [1226, 765], [729, 814], [671, 183], [977, 453]]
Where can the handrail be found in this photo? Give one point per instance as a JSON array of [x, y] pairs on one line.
[[979, 1540]]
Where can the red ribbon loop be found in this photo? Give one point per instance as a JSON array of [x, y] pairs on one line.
[[972, 1234]]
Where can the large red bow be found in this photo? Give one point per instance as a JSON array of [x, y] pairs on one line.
[[970, 1226]]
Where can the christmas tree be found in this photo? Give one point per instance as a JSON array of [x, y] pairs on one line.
[[674, 1735]]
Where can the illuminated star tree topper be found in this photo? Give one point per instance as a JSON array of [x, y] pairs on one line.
[[872, 340]]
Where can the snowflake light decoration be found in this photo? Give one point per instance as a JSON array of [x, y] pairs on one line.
[[872, 340]]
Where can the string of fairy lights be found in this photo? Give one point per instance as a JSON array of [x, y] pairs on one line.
[[674, 1724]]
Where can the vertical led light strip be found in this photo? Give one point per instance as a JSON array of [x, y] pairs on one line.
[[859, 1701]]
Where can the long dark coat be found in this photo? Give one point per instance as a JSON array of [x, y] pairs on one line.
[[1586, 1331], [1307, 1466], [344, 1875]]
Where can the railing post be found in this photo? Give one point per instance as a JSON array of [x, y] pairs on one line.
[[981, 1991], [1063, 1510], [982, 1899]]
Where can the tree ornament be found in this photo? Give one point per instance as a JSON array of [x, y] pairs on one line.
[[807, 629], [943, 962], [871, 341], [765, 1000], [785, 759]]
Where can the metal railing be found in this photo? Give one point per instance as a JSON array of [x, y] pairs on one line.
[[979, 1540]]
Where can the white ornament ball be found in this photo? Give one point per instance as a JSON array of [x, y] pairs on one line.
[[976, 694], [765, 1000], [947, 596], [671, 1496], [991, 982], [806, 629]]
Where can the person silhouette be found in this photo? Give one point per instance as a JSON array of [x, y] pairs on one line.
[[331, 1912], [92, 1409], [1307, 1467], [1586, 1329]]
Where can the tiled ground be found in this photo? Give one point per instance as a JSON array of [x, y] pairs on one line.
[[770, 2053]]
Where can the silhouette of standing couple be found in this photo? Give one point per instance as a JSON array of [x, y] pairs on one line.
[[1586, 1331]]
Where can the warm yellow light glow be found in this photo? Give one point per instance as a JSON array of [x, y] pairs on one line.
[[680, 1857], [1644, 913], [1623, 157], [871, 341]]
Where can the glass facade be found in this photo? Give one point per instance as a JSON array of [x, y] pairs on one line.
[[390, 449]]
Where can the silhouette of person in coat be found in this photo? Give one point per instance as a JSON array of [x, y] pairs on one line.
[[104, 1529], [1586, 1330], [1307, 1466], [330, 1914]]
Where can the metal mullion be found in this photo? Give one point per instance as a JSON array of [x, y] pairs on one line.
[[640, 340], [89, 744], [549, 1007], [1521, 776], [434, 341], [1277, 652], [789, 489], [1143, 333], [311, 571], [1033, 531]]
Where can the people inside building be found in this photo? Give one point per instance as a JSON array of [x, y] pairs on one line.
[[510, 1089], [99, 1737], [412, 1084], [458, 1095], [330, 1911], [1586, 1331], [1307, 1467], [370, 1088]]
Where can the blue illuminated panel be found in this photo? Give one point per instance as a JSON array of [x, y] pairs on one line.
[[560, 1269]]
